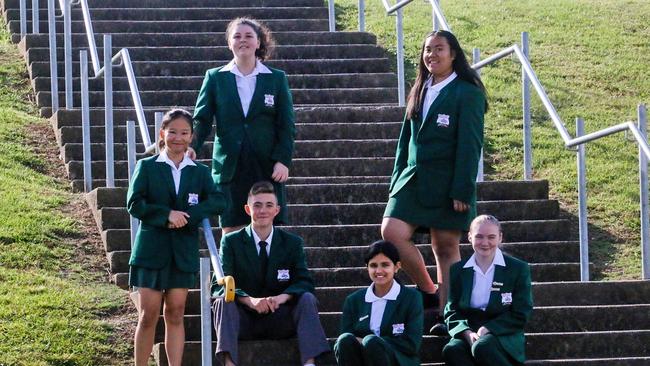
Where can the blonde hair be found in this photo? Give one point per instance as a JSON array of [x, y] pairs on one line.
[[482, 219]]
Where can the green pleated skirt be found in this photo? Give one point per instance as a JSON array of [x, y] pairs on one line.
[[161, 279], [404, 205]]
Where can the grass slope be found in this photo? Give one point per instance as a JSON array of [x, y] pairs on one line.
[[51, 305], [592, 58]]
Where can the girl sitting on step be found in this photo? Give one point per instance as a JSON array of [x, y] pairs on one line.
[[490, 302], [381, 325], [252, 109], [170, 194]]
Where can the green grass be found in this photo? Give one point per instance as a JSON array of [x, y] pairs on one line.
[[52, 306], [592, 58]]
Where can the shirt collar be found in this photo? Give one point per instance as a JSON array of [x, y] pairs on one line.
[[257, 238], [260, 68], [164, 158], [391, 295], [497, 261], [438, 87]]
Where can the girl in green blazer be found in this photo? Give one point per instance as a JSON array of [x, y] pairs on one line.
[[170, 194], [382, 324], [433, 185], [253, 110], [490, 302]]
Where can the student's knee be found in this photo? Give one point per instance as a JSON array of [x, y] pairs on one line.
[[373, 343], [307, 299], [174, 313], [453, 349], [148, 318], [346, 340], [484, 347]]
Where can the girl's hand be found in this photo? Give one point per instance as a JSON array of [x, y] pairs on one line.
[[470, 337], [177, 219], [460, 206], [280, 172]]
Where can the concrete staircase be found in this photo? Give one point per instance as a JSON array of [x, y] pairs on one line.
[[347, 125]]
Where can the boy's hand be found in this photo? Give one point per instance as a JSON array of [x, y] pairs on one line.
[[177, 219], [280, 172]]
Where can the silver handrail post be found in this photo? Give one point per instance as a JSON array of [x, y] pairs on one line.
[[54, 76], [85, 121], [362, 16], [130, 148], [23, 18], [206, 315], [439, 18], [525, 95], [331, 17], [400, 58], [67, 35], [582, 204], [476, 57], [436, 23], [90, 35], [135, 95], [643, 188], [35, 18], [158, 116], [108, 111]]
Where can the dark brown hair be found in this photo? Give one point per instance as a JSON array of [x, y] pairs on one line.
[[261, 187], [460, 65], [382, 247], [169, 117], [267, 43]]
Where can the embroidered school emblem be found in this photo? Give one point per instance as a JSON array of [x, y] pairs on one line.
[[269, 100], [443, 120], [193, 199], [506, 298], [283, 275], [398, 328]]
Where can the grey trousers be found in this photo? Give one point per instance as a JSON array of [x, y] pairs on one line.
[[233, 322]]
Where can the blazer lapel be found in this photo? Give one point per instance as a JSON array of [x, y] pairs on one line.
[[364, 318], [437, 102], [467, 279], [187, 176], [275, 254], [250, 250], [387, 318], [166, 173], [495, 296], [230, 85], [262, 86]]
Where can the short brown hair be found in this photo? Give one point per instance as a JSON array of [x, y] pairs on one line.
[[261, 187]]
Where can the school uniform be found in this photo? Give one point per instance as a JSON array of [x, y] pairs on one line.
[[500, 300], [254, 130], [163, 258], [286, 273], [437, 157], [391, 328]]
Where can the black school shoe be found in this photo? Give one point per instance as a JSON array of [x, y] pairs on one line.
[[439, 327]]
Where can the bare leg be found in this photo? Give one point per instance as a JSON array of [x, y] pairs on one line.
[[446, 249], [229, 229], [148, 314], [400, 233], [228, 359], [174, 311]]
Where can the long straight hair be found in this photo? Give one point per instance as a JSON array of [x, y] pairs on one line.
[[460, 66]]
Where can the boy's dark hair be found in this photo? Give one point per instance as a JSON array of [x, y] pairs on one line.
[[261, 187], [382, 247]]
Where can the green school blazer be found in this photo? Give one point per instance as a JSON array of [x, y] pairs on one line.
[[286, 273], [444, 150], [150, 198], [406, 310], [269, 124], [508, 310]]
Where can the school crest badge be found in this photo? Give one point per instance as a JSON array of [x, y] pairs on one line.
[[269, 100]]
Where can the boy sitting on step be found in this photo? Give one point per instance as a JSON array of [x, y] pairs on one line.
[[274, 294]]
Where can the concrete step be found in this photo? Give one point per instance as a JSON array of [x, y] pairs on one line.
[[368, 212], [342, 260], [337, 236], [312, 114], [203, 39], [576, 345], [179, 4], [356, 192], [300, 167], [198, 68], [178, 26], [297, 81], [190, 13], [543, 320], [165, 98], [221, 53]]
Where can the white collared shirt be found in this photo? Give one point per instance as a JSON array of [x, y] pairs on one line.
[[482, 284], [176, 172], [267, 240], [379, 305], [433, 91], [246, 83]]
